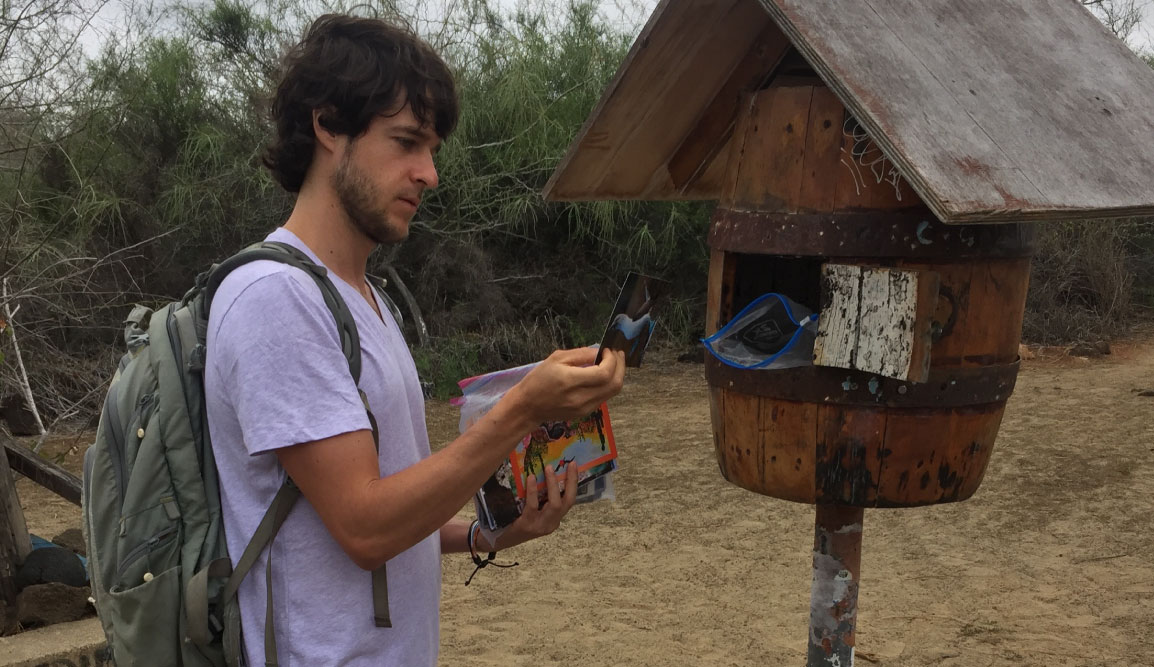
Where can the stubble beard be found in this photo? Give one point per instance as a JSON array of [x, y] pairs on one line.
[[357, 197]]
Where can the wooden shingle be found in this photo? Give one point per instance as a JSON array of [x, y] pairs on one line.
[[992, 110]]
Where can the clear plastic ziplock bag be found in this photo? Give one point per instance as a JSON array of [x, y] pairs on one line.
[[496, 503], [772, 332]]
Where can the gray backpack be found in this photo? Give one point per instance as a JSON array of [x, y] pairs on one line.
[[161, 576]]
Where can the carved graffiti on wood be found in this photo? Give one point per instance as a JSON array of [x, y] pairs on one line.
[[865, 155]]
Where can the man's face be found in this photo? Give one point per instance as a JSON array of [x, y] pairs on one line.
[[384, 172]]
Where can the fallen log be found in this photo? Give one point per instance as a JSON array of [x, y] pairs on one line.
[[42, 471]]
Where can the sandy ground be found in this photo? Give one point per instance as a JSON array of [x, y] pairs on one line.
[[1049, 563]]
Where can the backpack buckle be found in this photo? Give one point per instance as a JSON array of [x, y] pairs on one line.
[[197, 358]]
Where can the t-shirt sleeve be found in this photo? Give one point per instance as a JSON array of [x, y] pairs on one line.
[[282, 366]]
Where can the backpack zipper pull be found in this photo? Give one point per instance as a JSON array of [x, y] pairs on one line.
[[171, 509]]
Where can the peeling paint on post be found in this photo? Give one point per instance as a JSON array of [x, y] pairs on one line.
[[833, 597]]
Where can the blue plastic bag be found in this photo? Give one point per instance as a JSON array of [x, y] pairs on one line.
[[772, 332]]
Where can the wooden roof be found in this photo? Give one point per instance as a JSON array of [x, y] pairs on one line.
[[992, 110]]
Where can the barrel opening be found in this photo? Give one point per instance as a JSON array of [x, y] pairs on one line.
[[798, 278]]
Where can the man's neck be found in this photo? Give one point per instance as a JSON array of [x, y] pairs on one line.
[[322, 224]]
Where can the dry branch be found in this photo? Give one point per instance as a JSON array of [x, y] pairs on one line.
[[25, 386]]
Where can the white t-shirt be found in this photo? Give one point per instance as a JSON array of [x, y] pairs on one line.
[[275, 377]]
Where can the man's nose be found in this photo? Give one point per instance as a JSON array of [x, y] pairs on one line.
[[426, 172]]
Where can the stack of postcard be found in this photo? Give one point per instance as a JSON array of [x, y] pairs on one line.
[[586, 442]]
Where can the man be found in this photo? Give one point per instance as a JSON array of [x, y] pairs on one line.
[[360, 112]]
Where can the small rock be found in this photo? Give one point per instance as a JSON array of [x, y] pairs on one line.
[[50, 565], [1088, 350], [47, 604], [694, 356], [1146, 392], [73, 540]]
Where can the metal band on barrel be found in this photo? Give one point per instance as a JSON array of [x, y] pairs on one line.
[[947, 387], [907, 235]]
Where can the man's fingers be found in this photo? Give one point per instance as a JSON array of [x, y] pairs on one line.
[[570, 486], [581, 356], [605, 378], [619, 370], [532, 503], [551, 490], [609, 384]]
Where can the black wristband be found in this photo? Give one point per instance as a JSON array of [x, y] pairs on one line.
[[477, 560], [472, 541]]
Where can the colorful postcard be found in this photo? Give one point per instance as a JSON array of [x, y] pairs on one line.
[[633, 319], [587, 443]]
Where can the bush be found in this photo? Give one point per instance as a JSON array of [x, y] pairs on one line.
[[1090, 281]]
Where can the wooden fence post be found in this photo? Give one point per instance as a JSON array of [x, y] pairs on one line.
[[14, 542]]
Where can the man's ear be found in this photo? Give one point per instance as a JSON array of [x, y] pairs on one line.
[[326, 138]]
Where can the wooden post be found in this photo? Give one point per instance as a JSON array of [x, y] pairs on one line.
[[833, 597], [14, 541]]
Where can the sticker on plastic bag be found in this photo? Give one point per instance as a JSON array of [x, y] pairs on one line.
[[772, 332]]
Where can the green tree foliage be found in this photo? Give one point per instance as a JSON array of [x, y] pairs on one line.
[[487, 240], [157, 170], [125, 172]]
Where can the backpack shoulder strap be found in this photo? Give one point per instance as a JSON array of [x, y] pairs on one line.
[[197, 592], [378, 284], [287, 254]]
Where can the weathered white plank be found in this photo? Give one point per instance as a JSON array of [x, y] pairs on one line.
[[837, 326], [888, 306], [876, 320]]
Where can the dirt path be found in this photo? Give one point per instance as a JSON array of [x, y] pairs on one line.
[[1049, 564]]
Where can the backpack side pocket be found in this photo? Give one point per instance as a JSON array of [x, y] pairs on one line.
[[144, 621]]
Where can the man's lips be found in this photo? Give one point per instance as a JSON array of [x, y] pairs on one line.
[[411, 201]]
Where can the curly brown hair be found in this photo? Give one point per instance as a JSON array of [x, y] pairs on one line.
[[352, 69]]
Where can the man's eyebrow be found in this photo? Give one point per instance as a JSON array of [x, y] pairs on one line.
[[415, 130], [420, 132]]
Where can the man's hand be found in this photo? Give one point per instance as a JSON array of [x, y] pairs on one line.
[[567, 385], [539, 520]]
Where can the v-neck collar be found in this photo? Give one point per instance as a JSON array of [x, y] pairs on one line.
[[376, 306]]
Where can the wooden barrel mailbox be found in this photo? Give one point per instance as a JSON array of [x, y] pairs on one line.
[[817, 434], [880, 164]]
